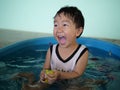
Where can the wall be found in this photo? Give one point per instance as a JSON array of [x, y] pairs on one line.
[[101, 16]]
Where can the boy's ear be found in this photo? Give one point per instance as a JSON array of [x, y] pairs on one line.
[[79, 32]]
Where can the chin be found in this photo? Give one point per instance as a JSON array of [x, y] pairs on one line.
[[63, 45]]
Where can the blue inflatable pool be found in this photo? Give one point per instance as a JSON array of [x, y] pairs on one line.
[[95, 46]]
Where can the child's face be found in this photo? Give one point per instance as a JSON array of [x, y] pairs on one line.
[[65, 31]]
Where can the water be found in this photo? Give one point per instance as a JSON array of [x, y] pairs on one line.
[[32, 60]]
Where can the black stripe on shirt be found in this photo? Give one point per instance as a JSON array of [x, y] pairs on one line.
[[69, 58]]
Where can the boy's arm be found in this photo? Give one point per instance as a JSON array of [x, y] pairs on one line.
[[46, 66], [47, 60], [79, 68]]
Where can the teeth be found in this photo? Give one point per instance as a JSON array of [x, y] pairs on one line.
[[61, 36]]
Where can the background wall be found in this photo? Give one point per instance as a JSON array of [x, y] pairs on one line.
[[101, 16]]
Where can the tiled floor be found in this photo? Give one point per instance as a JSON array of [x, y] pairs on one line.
[[117, 42], [8, 37]]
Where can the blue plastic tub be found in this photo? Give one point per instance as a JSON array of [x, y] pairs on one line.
[[95, 46]]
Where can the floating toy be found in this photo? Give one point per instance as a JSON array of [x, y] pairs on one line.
[[48, 72]]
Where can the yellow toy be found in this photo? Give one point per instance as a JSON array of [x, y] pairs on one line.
[[48, 72]]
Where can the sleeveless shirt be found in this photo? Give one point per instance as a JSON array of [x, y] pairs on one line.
[[68, 65]]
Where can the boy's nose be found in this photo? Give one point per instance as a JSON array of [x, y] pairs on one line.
[[60, 29]]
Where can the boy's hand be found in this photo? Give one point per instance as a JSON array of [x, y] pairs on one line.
[[49, 76], [46, 76], [43, 76], [52, 77]]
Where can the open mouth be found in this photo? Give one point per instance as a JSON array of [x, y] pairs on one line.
[[62, 39]]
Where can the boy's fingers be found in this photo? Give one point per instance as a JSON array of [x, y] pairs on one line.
[[50, 76]]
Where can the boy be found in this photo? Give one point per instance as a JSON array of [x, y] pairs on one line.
[[67, 59]]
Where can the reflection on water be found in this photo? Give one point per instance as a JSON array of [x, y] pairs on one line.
[[98, 68]]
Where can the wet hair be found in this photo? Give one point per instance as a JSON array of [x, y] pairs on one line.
[[74, 14]]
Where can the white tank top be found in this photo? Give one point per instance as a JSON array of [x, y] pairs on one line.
[[68, 65]]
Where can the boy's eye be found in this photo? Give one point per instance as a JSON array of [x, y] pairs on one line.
[[55, 25], [65, 24]]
